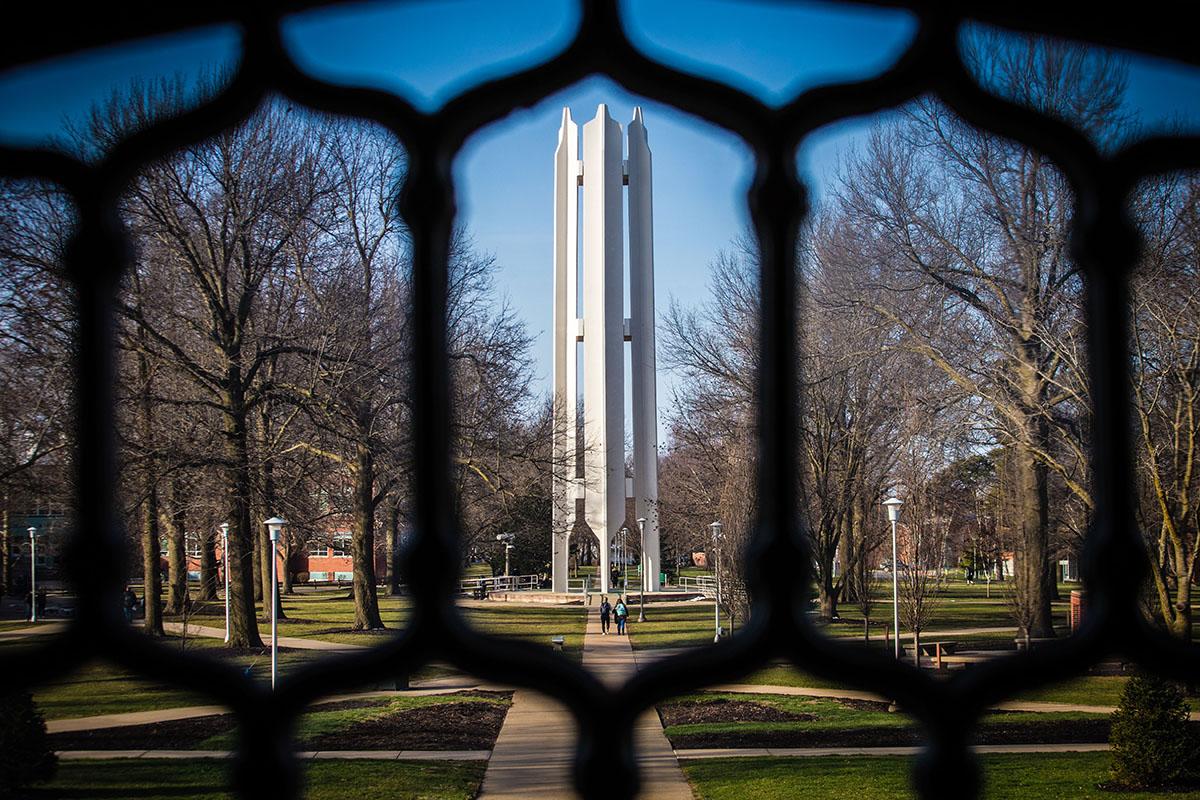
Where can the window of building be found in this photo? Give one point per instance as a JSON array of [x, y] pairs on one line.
[[317, 546], [192, 545], [341, 544]]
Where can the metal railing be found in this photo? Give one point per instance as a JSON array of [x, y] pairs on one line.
[[1105, 244], [703, 584], [511, 583]]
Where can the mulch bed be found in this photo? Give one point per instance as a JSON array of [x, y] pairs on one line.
[[443, 726], [690, 712], [996, 731]]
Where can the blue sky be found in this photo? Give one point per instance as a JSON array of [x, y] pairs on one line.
[[429, 51]]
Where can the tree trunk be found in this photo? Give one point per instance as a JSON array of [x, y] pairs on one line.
[[916, 648], [177, 586], [6, 548], [270, 508], [151, 544], [255, 554], [285, 575], [1031, 560], [243, 623], [362, 544], [393, 548], [208, 567]]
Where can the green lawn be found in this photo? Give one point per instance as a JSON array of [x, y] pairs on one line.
[[325, 614], [208, 780], [830, 716], [479, 570], [1042, 776], [1087, 690], [674, 625], [537, 624], [101, 688], [328, 614]]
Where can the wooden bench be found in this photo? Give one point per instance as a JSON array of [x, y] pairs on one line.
[[937, 650], [557, 643]]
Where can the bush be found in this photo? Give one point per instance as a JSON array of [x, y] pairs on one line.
[[25, 755], [1151, 743]]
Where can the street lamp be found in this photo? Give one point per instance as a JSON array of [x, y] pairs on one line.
[[716, 535], [892, 504], [274, 526], [507, 539], [225, 558], [32, 574], [625, 560], [642, 598]]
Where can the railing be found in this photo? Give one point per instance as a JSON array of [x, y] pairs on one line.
[[704, 584], [482, 587]]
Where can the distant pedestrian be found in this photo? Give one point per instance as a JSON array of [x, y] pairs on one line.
[[621, 612], [605, 615], [129, 603]]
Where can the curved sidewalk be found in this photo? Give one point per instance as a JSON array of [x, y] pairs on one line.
[[534, 753]]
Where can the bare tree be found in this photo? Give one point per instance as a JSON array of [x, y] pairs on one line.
[[968, 232], [1166, 392]]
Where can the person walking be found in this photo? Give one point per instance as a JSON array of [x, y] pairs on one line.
[[605, 615], [129, 602], [621, 612]]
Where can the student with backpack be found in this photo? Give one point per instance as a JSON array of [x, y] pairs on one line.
[[622, 612], [605, 613]]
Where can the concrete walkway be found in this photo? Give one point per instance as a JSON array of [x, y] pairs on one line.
[[375, 755], [37, 629], [293, 642], [533, 754]]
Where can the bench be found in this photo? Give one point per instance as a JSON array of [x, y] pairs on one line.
[[557, 643], [937, 650]]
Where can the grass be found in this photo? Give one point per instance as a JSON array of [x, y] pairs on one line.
[[101, 688], [831, 716], [674, 625], [537, 624], [1086, 690], [209, 780], [328, 614], [1041, 776], [480, 569]]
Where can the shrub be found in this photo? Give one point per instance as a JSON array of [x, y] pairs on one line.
[[25, 755], [1151, 743]]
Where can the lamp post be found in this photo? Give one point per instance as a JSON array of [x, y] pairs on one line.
[[32, 574], [625, 560], [507, 539], [716, 535], [892, 504], [225, 559], [274, 526], [642, 571]]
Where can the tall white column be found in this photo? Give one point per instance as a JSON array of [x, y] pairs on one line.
[[566, 291], [603, 333], [641, 330]]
